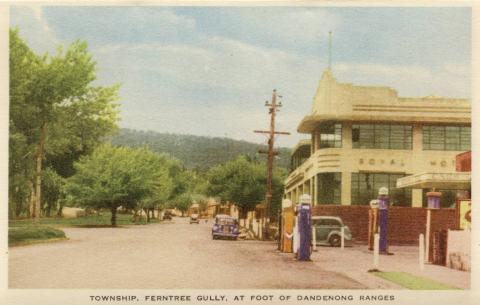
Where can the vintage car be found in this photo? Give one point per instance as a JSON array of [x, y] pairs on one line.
[[168, 215], [328, 231], [225, 226], [194, 218]]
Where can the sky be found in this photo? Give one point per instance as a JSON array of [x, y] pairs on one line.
[[209, 70]]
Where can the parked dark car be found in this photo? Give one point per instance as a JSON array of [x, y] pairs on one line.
[[225, 226], [167, 215], [194, 218], [328, 231]]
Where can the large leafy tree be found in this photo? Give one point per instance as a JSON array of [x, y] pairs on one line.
[[23, 67], [162, 193], [243, 182], [118, 176], [56, 114], [183, 202]]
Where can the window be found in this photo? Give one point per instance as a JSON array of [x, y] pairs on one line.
[[299, 156], [446, 137], [329, 188], [330, 135], [365, 187], [382, 136], [330, 222]]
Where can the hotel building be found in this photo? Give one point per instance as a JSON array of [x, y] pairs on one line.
[[366, 137]]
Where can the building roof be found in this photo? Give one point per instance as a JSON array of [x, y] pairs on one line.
[[336, 101], [456, 181], [301, 144]]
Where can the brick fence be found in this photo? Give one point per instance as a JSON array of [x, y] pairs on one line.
[[405, 223]]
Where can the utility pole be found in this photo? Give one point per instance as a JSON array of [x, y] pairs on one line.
[[271, 153]]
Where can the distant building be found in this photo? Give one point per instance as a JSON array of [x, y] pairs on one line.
[[366, 137]]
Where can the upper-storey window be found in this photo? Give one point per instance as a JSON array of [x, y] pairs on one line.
[[330, 135], [382, 136], [446, 137]]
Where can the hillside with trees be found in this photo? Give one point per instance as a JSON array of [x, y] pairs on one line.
[[197, 152]]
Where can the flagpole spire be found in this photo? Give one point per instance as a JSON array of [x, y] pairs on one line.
[[330, 50]]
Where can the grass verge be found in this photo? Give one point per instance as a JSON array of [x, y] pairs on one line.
[[102, 220], [32, 234], [413, 282], [47, 229]]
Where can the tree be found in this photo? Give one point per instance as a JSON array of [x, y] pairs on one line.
[[183, 202], [52, 186], [118, 176], [243, 182], [56, 110], [239, 181], [162, 193], [23, 66]]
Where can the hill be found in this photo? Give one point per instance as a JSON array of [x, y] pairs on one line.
[[197, 152]]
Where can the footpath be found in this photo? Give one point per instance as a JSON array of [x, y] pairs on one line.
[[355, 262]]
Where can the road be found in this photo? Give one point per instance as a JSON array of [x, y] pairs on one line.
[[167, 255]]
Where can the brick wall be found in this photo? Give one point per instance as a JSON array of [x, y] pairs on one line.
[[463, 162], [441, 219], [405, 223]]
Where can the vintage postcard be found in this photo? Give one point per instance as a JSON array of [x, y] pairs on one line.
[[238, 153]]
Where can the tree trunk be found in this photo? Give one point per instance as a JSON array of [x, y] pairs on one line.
[[31, 207], [19, 209], [135, 211], [60, 208], [148, 214], [49, 209], [114, 216], [38, 171]]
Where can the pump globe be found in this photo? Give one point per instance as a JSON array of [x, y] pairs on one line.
[[286, 203], [305, 199], [383, 191]]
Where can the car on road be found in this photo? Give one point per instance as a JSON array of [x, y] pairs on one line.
[[168, 215], [194, 218], [328, 231], [225, 226]]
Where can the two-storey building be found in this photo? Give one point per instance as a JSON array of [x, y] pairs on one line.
[[366, 137]]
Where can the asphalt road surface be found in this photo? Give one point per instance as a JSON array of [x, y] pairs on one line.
[[167, 255]]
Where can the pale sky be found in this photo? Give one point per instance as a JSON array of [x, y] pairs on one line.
[[208, 70]]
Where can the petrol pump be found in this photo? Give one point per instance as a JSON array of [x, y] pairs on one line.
[[383, 204], [372, 222], [304, 227], [288, 219], [433, 200]]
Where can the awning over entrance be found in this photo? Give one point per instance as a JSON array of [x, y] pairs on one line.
[[455, 181]]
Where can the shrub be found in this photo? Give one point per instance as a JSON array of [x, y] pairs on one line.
[[26, 234]]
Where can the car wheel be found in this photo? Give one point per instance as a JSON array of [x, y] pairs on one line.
[[334, 241]]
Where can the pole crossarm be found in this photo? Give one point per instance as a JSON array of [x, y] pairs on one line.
[[262, 151]]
